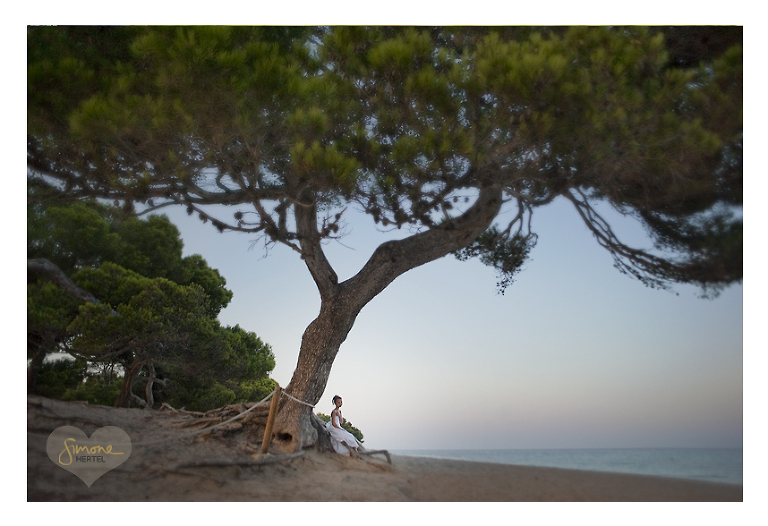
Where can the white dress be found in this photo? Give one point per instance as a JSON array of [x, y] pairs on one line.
[[340, 435]]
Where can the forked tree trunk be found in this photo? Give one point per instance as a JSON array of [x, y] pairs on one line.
[[342, 302], [126, 389]]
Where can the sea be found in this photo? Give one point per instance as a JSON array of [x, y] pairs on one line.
[[714, 465]]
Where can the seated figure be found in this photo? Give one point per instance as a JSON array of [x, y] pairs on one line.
[[343, 441]]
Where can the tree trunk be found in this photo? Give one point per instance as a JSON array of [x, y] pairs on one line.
[[321, 342], [340, 303], [34, 368], [126, 390], [148, 394]]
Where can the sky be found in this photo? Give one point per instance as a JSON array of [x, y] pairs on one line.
[[573, 355]]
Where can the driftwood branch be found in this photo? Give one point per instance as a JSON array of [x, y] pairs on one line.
[[227, 463], [181, 411], [138, 401], [377, 452]]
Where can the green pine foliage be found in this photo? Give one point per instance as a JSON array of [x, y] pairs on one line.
[[94, 390], [406, 122], [61, 376], [156, 309]]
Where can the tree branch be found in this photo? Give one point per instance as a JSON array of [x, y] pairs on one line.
[[649, 269], [57, 276], [312, 251], [393, 258]]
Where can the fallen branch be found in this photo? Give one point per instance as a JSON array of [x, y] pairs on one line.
[[182, 411], [377, 452], [195, 422], [241, 463]]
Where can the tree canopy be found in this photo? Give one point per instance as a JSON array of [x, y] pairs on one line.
[[405, 122], [455, 134], [87, 234], [156, 324]]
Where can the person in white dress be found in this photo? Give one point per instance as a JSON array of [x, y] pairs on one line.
[[343, 441]]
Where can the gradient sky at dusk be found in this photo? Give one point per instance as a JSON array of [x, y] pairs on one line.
[[574, 355]]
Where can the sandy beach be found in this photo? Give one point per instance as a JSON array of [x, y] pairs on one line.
[[175, 471]]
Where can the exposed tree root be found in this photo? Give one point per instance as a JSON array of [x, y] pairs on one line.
[[214, 417]]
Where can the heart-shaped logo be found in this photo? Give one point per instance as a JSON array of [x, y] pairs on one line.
[[88, 458]]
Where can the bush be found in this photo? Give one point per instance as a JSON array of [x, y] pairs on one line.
[[58, 376], [94, 391]]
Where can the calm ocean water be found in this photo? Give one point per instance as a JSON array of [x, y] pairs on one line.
[[716, 465]]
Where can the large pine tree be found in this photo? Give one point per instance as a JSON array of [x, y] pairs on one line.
[[456, 134]]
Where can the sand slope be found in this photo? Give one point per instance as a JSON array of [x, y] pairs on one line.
[[152, 472]]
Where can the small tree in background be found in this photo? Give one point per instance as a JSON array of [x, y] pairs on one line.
[[143, 332]]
